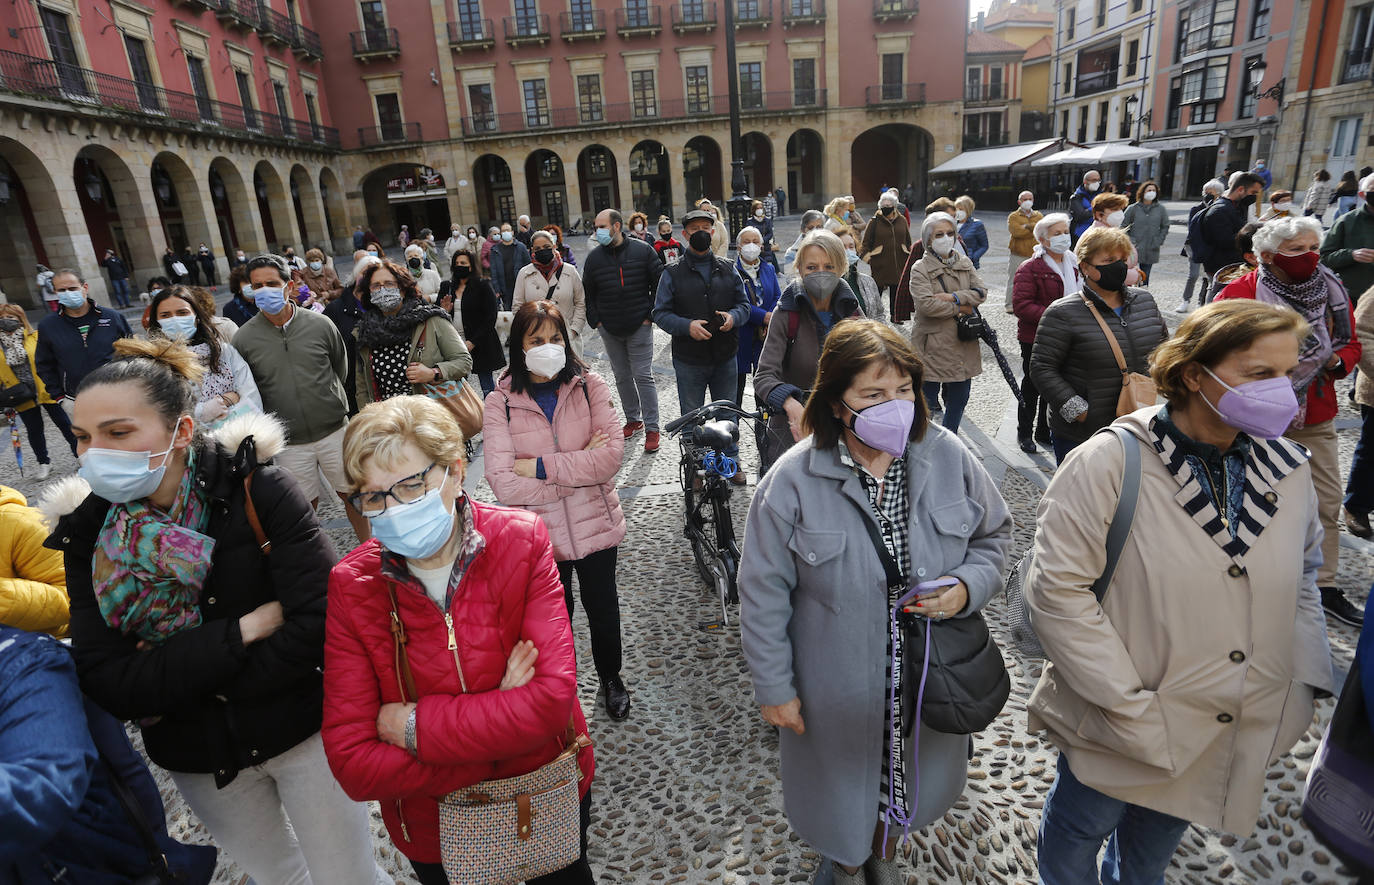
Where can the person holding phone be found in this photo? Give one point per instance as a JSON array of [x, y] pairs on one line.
[[815, 600]]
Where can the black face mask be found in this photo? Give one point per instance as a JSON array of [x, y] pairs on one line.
[[1112, 277], [700, 240], [1247, 201], [888, 210], [415, 263], [543, 256], [1369, 201], [461, 272]]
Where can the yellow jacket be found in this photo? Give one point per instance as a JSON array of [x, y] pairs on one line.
[[33, 582], [9, 379]]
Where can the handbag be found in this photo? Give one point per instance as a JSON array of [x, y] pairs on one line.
[[969, 326], [16, 395], [1137, 390], [503, 832], [456, 396], [960, 683], [1023, 637], [1340, 787]]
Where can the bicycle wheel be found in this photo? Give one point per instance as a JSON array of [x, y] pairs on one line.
[[726, 546], [697, 521]]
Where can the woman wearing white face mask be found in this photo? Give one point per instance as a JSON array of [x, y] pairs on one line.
[[1280, 206], [1050, 274], [761, 286], [1147, 223], [1109, 210], [186, 621], [228, 383], [554, 446], [944, 285]]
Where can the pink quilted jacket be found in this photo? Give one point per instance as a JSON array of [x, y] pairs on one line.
[[577, 501]]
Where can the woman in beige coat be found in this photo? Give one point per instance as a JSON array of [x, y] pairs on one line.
[[944, 285], [1171, 697], [549, 278]]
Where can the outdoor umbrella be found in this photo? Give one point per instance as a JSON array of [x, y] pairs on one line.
[[14, 439]]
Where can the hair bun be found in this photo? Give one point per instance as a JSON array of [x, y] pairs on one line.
[[177, 357]]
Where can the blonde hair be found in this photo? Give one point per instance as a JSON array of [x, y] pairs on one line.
[[379, 433], [828, 243], [1097, 240], [1212, 333], [14, 310], [966, 203]]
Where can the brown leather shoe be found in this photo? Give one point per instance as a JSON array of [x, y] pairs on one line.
[[651, 441], [740, 479], [632, 428]]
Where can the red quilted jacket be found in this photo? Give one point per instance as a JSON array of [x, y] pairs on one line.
[[467, 729]]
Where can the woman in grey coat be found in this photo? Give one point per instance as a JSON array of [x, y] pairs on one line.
[[816, 605], [1147, 223]]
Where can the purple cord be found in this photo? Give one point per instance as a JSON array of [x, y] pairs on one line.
[[894, 814]]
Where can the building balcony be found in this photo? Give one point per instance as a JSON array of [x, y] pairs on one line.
[[238, 13], [638, 22], [471, 35], [526, 30], [584, 25], [389, 134], [277, 28], [753, 13], [694, 16], [307, 43], [1359, 65], [803, 12], [1091, 84], [987, 93], [97, 93], [894, 10], [895, 94], [375, 43], [197, 5], [975, 140], [752, 104]]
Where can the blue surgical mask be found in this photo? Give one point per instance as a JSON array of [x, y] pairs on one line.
[[178, 327], [416, 530], [119, 476], [852, 256], [603, 236], [71, 298], [270, 300], [247, 291], [316, 265], [1060, 243]]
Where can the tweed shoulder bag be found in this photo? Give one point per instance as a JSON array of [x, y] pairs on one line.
[[456, 396], [503, 832]]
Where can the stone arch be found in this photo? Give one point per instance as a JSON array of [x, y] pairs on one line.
[[278, 225], [116, 207], [233, 202], [651, 185], [758, 163], [805, 170], [893, 154], [702, 170], [335, 211], [180, 207], [546, 179], [309, 211], [37, 223], [491, 175], [598, 179], [393, 196]]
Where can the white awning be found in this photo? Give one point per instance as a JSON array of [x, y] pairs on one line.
[[994, 158], [1098, 153]]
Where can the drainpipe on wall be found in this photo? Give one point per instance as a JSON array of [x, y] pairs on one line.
[[1307, 105]]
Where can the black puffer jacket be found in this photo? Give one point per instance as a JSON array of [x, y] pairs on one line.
[[213, 705], [621, 282], [1073, 359]]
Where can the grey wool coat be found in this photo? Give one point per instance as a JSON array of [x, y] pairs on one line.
[[814, 622]]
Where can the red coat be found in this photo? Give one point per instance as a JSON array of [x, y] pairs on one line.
[[1035, 287], [510, 592], [1321, 399]]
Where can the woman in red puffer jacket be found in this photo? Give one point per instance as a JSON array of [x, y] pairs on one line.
[[553, 445], [488, 644]]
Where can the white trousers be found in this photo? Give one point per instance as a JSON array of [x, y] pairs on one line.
[[287, 821]]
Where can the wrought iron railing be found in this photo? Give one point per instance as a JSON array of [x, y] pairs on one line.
[[389, 133], [583, 23], [895, 93], [471, 32], [631, 21], [375, 41]]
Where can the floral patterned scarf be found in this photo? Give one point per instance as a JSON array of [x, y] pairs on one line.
[[149, 567]]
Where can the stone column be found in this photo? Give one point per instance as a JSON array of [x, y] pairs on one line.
[[622, 171]]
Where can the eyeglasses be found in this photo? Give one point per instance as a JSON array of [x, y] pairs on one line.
[[405, 491]]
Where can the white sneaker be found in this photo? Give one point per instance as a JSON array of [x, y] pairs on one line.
[[1185, 307], [43, 472]]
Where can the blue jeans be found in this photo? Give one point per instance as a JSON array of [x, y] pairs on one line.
[[1359, 489], [955, 395], [1062, 447], [487, 382], [120, 290], [692, 382], [1076, 819]]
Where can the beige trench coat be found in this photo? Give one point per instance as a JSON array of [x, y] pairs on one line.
[[1198, 669], [933, 330], [530, 285]]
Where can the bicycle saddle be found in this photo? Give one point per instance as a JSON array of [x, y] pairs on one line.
[[718, 435]]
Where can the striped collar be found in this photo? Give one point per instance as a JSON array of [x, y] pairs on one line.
[[1267, 462]]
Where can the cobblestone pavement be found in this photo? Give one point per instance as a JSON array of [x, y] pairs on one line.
[[687, 789]]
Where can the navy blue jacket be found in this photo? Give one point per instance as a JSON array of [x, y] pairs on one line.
[[241, 310], [763, 297], [63, 357], [621, 283], [975, 238], [1081, 211], [498, 267]]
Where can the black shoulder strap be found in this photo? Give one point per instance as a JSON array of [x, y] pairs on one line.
[[890, 567], [157, 861]]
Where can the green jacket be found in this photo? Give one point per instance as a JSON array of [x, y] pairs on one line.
[[443, 349], [1353, 230], [300, 371]]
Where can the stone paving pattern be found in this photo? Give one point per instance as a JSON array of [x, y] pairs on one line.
[[687, 789]]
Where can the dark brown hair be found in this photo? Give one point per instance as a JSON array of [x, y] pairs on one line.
[[532, 316], [205, 321], [850, 348], [362, 289], [1144, 186]]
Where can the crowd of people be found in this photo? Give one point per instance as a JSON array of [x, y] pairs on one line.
[[186, 570]]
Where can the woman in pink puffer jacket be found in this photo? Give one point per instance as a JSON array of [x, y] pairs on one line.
[[553, 445]]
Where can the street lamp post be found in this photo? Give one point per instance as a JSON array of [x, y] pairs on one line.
[[737, 207]]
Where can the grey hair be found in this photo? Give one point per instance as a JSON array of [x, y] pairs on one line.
[[1215, 186], [929, 223], [1042, 227], [1367, 184], [542, 234], [887, 198], [68, 272], [1091, 172], [750, 229], [267, 259], [810, 216], [1276, 232]]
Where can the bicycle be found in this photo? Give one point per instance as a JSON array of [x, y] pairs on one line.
[[705, 471]]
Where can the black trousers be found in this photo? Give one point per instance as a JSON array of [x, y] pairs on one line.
[[33, 424], [1033, 405], [596, 581], [577, 873]]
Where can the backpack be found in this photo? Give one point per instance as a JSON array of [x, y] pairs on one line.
[[1198, 249]]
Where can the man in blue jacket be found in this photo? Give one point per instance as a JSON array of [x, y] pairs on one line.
[[1081, 203], [76, 340], [508, 257]]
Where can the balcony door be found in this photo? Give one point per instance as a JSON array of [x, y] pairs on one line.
[[66, 63]]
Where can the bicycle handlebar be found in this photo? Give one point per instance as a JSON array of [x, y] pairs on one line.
[[696, 416]]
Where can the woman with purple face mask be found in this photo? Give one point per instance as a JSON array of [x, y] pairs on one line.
[[859, 770], [1171, 694]]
